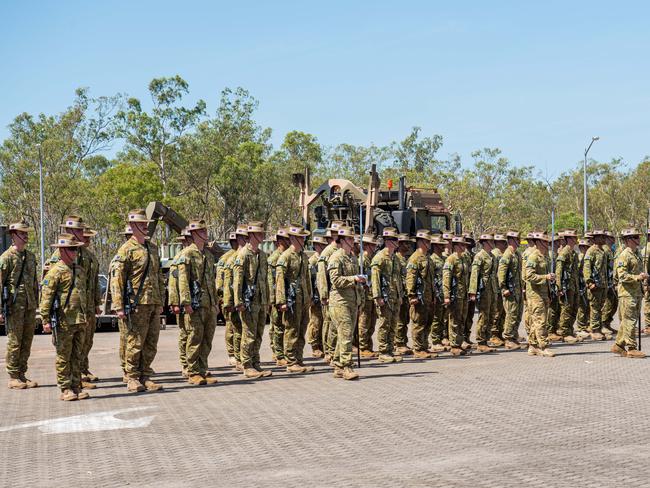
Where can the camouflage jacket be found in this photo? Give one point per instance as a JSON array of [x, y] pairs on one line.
[[510, 267], [293, 267], [173, 290], [195, 265], [419, 264], [228, 294], [594, 269], [322, 278], [271, 263], [63, 281], [11, 263], [567, 263], [536, 271], [342, 269], [628, 274], [455, 269], [221, 265], [250, 269], [386, 266], [483, 266]]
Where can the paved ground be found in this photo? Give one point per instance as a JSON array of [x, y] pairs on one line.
[[504, 419]]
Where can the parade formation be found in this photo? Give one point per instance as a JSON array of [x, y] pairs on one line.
[[426, 287]]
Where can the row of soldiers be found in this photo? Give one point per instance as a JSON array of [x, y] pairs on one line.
[[346, 289]]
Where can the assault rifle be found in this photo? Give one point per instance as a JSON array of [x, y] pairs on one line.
[[385, 291], [55, 318], [315, 295], [437, 289], [195, 295], [453, 293], [419, 288], [552, 285], [5, 305], [130, 303], [564, 283]]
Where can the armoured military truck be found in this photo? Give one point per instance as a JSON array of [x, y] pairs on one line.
[[407, 208]]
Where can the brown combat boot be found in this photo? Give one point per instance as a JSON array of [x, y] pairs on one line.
[[150, 385], [239, 367], [386, 358], [533, 351], [134, 386], [512, 345], [327, 358], [125, 379], [338, 372], [28, 382], [437, 348], [495, 341], [91, 377], [403, 351], [368, 354], [616, 349], [265, 372], [349, 374], [184, 373], [210, 380], [252, 373], [68, 396], [546, 352], [554, 337], [458, 351], [295, 368], [481, 348], [634, 354], [233, 362], [317, 353], [597, 336], [570, 339], [87, 385], [281, 362], [16, 384], [421, 355], [308, 369], [196, 380], [81, 395]]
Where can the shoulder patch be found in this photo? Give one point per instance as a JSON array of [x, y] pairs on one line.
[[180, 260], [411, 266], [446, 266], [45, 282]]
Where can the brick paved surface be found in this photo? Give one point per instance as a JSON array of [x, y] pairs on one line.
[[505, 419]]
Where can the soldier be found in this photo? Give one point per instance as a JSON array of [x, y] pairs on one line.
[[386, 283], [567, 272], [630, 275], [509, 278], [554, 306], [315, 327], [20, 289], [322, 281], [646, 284], [227, 314], [368, 312], [241, 234], [468, 256], [198, 299], [438, 322], [65, 288], [344, 301], [582, 313], [594, 273], [496, 339], [135, 271], [419, 290], [251, 292], [276, 333], [455, 284], [293, 296], [483, 289], [121, 325], [94, 298], [538, 281], [174, 301], [404, 250], [530, 247], [610, 302], [448, 251]]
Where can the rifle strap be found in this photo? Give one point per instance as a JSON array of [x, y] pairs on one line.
[[74, 276], [20, 277], [138, 294]]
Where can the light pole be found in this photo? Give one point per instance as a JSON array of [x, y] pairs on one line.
[[584, 182], [40, 189]]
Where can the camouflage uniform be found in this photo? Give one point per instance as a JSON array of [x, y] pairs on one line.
[[345, 299], [64, 281], [94, 302], [509, 278], [229, 304], [323, 283], [553, 319], [594, 272], [582, 306], [198, 266], [438, 324], [142, 336], [402, 322], [628, 275], [567, 278], [455, 269], [496, 328], [421, 314], [315, 326], [229, 334], [386, 266], [368, 313], [468, 257], [537, 298], [22, 309], [293, 267], [483, 276], [276, 328], [610, 301], [251, 270]]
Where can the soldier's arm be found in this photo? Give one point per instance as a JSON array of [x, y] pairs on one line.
[[172, 285], [307, 270], [184, 266], [560, 263], [474, 276], [280, 273], [337, 278], [446, 280], [118, 281], [502, 273], [624, 275], [48, 289], [531, 273], [321, 279], [5, 270], [411, 279], [586, 269], [375, 271], [239, 272], [161, 279]]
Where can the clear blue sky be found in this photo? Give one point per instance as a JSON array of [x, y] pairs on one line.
[[536, 79]]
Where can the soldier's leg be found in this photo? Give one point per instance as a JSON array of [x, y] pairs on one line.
[[629, 311], [78, 333], [195, 329], [291, 330], [89, 335], [365, 319], [511, 319], [209, 326], [150, 344], [277, 340], [595, 309], [344, 319], [484, 319], [122, 328], [325, 329], [332, 334], [419, 315], [456, 321], [182, 342], [302, 333], [248, 335], [401, 327], [553, 316], [15, 333], [385, 330], [496, 327], [236, 336], [646, 307], [261, 323], [65, 338], [29, 326], [230, 348], [315, 327], [437, 326], [469, 320]]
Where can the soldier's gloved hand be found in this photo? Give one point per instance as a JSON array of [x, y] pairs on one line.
[[47, 328], [188, 309], [176, 309], [121, 314], [506, 293], [447, 301], [550, 277], [414, 301], [643, 276], [283, 308], [381, 302], [472, 297]]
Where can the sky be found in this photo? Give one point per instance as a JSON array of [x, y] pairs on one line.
[[535, 79]]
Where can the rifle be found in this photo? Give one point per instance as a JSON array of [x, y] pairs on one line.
[[55, 318], [5, 306], [196, 292], [509, 282], [453, 293], [419, 288], [582, 286], [315, 296], [552, 285], [385, 291], [564, 283], [437, 288], [292, 288], [6, 300], [250, 290], [129, 303]]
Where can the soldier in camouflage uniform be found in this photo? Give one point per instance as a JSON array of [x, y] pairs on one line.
[[582, 313], [420, 276], [629, 276], [530, 247], [198, 299], [554, 306], [538, 280], [241, 234], [496, 328], [251, 293], [483, 289], [455, 285], [63, 284], [346, 296], [276, 332], [137, 261], [448, 251], [315, 327], [94, 298], [510, 281], [594, 273], [404, 250], [438, 315], [645, 253], [18, 275], [293, 295], [468, 256], [121, 326], [567, 273], [610, 303], [227, 314], [368, 312], [322, 281], [174, 301]]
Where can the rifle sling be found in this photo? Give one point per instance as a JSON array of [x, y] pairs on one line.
[[74, 276], [138, 294]]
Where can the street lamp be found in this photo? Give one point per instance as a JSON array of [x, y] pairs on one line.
[[40, 189], [584, 183]]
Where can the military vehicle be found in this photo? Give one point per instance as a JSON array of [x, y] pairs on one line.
[[407, 208]]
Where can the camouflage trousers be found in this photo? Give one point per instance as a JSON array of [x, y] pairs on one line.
[[596, 298], [610, 305], [276, 332], [315, 327], [438, 323], [582, 312], [629, 314], [513, 309], [121, 327], [182, 340], [367, 321], [386, 319], [20, 333], [469, 320], [421, 315], [200, 326], [646, 306], [486, 311], [328, 348], [295, 328], [456, 316], [91, 326], [496, 328], [69, 351], [553, 319], [344, 318], [402, 325], [229, 335], [537, 307], [142, 341], [252, 331], [232, 318], [568, 311]]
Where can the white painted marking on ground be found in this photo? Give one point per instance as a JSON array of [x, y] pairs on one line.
[[92, 422]]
